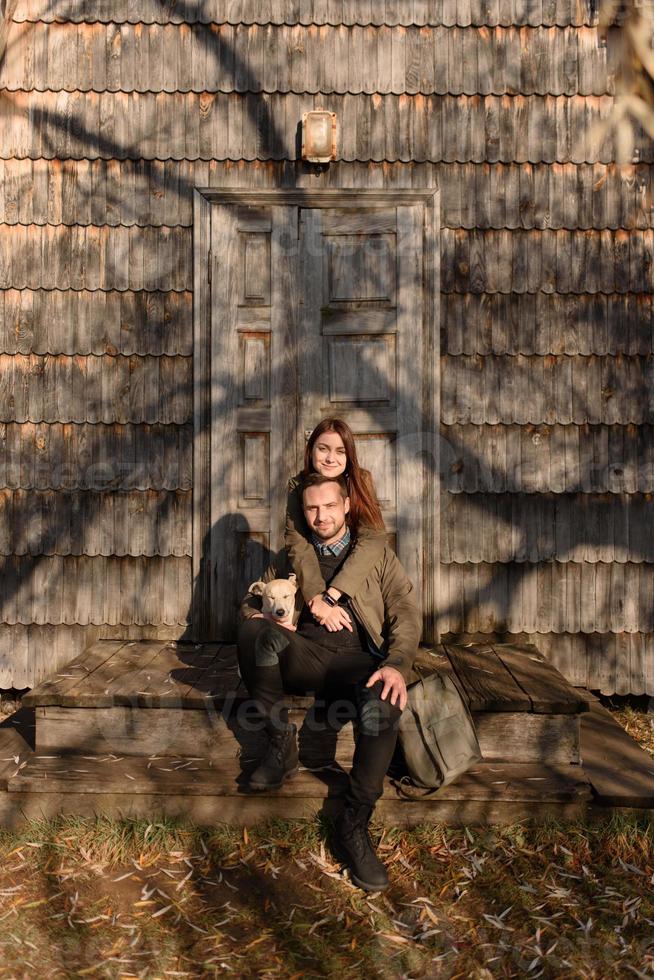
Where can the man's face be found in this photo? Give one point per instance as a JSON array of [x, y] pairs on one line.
[[325, 511]]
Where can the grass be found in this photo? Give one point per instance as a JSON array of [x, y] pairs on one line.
[[101, 897], [639, 724], [127, 898]]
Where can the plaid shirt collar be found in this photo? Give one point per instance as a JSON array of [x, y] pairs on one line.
[[336, 548]]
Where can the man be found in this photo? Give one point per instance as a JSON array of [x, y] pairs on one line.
[[367, 661]]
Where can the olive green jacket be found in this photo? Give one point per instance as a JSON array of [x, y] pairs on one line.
[[385, 605], [366, 551]]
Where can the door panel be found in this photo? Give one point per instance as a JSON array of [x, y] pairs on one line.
[[360, 268], [361, 369], [315, 311]]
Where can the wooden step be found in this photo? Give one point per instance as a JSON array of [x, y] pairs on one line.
[[199, 790], [213, 731]]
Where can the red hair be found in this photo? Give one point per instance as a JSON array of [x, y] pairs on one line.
[[364, 506]]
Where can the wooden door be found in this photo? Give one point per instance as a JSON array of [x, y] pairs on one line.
[[318, 305]]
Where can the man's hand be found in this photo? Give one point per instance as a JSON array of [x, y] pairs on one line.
[[394, 684], [333, 618], [336, 619]]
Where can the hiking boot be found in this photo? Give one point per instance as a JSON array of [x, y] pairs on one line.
[[352, 844], [280, 761]]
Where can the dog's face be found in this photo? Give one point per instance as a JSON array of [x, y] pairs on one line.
[[277, 597]]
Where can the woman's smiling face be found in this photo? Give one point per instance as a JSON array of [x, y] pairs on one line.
[[328, 455]]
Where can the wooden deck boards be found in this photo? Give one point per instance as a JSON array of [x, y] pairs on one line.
[[148, 674], [16, 743], [52, 690], [500, 677], [508, 792], [198, 777], [486, 681], [547, 689], [16, 808], [489, 793]]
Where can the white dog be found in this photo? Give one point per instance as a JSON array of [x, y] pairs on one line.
[[277, 600]]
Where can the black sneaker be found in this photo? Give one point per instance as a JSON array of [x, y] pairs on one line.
[[353, 845], [280, 761]]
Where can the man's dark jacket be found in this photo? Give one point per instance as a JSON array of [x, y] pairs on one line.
[[385, 606]]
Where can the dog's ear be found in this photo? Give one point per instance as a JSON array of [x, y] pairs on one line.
[[257, 588], [293, 579]]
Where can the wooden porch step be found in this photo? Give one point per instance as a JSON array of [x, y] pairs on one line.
[[214, 732], [524, 710], [621, 773], [488, 793]]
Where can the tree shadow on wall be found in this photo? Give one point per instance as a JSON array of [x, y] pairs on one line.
[[254, 556]]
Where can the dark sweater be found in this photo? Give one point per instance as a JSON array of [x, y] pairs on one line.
[[342, 640]]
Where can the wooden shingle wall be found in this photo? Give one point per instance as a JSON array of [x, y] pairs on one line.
[[114, 110]]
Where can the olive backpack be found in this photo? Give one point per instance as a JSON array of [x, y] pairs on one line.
[[437, 734]]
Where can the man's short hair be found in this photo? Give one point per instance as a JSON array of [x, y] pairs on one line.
[[317, 480]]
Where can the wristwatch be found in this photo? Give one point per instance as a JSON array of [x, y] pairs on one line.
[[329, 599]]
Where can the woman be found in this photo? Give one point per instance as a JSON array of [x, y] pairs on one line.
[[331, 451]]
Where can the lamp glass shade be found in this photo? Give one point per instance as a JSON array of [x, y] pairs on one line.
[[319, 136]]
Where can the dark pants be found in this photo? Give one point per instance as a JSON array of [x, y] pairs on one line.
[[274, 662]]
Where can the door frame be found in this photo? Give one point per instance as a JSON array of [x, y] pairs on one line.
[[205, 265]]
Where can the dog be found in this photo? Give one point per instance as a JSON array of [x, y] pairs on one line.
[[277, 600]]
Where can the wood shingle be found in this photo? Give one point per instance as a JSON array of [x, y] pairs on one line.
[[542, 458], [85, 590], [326, 60], [520, 261], [60, 456], [56, 522], [474, 196], [107, 389], [56, 321], [95, 257], [547, 323], [554, 389], [234, 126], [547, 597], [532, 527], [488, 13]]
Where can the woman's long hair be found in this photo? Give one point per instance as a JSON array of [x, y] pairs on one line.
[[364, 506]]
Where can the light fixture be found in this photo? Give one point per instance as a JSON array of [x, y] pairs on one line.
[[319, 136]]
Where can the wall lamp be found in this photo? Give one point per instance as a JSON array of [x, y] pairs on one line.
[[319, 136]]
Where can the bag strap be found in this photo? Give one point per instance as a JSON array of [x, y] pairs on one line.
[[426, 672], [409, 791]]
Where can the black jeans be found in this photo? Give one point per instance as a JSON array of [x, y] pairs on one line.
[[274, 662]]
